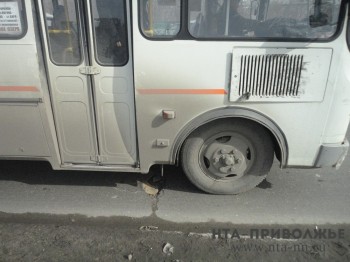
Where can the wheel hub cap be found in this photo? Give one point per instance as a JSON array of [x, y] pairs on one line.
[[228, 162]]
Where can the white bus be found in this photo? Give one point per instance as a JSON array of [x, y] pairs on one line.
[[217, 86]]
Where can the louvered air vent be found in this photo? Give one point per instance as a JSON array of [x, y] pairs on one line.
[[270, 75]]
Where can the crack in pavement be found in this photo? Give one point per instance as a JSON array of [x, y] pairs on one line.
[[154, 187]]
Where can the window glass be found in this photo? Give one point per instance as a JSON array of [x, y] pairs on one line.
[[63, 31], [12, 21], [110, 29], [312, 19], [160, 18]]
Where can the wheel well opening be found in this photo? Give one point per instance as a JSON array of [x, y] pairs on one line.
[[239, 121], [228, 155]]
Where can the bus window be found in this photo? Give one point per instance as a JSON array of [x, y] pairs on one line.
[[62, 29], [109, 22], [206, 18], [298, 19], [160, 18], [315, 19], [12, 19]]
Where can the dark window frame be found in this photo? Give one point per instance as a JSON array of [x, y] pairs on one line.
[[180, 33], [126, 15], [24, 23], [184, 33], [78, 9], [348, 27]]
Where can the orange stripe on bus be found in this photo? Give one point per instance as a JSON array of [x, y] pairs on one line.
[[19, 89], [182, 91]]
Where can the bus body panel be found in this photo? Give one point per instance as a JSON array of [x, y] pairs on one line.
[[205, 66], [186, 77], [24, 102]]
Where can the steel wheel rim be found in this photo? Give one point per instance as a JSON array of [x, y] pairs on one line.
[[226, 156]]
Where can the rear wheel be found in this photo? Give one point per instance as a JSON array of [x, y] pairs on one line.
[[227, 157]]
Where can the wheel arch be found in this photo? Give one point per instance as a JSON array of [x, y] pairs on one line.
[[232, 112]]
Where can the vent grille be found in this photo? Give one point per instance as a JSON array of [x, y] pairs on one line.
[[270, 75]]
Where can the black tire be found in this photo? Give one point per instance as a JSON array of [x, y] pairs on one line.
[[228, 156]]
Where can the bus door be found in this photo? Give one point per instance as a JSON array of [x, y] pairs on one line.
[[89, 64]]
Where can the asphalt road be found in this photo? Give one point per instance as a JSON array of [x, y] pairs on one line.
[[309, 196]]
